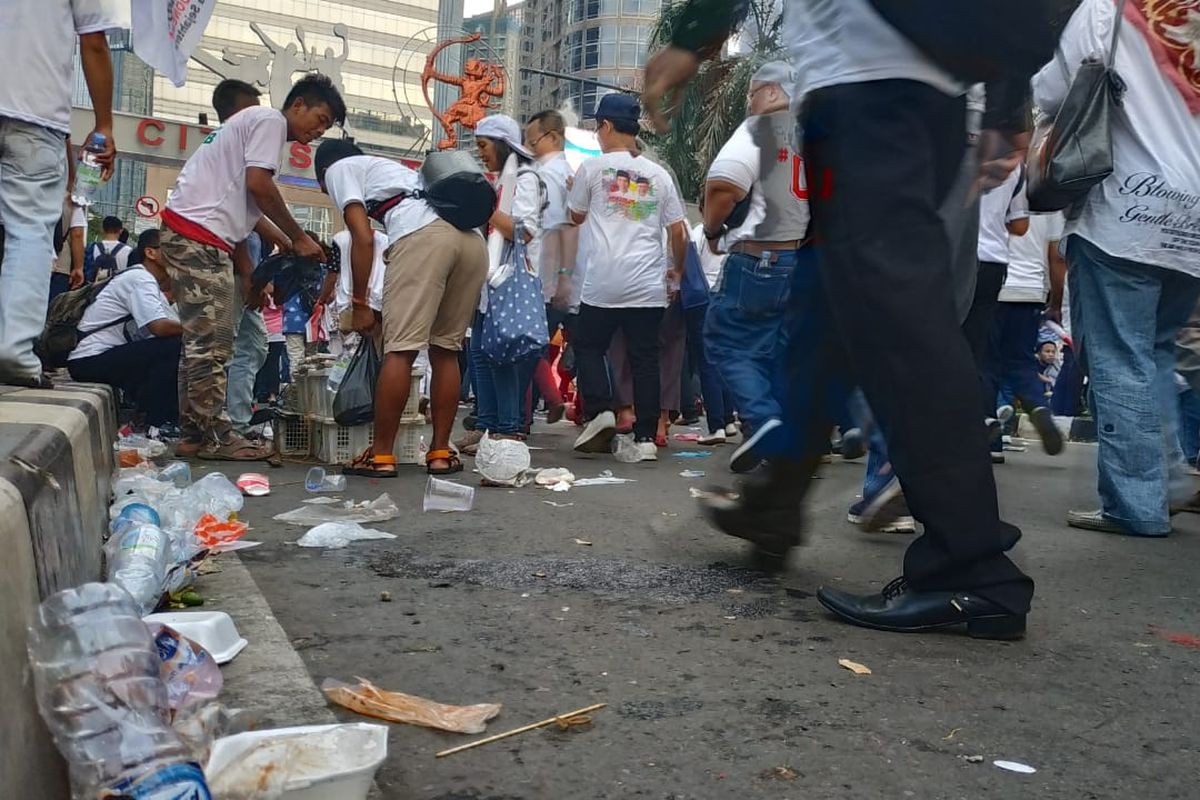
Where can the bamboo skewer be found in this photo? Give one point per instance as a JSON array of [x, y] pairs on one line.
[[563, 719]]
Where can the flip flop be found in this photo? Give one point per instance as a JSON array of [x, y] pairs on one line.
[[368, 465], [448, 456]]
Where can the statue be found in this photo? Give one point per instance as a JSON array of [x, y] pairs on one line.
[[478, 85]]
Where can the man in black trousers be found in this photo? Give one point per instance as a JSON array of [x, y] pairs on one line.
[[883, 123]]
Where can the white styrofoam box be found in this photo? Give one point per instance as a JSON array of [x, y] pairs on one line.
[[212, 630]]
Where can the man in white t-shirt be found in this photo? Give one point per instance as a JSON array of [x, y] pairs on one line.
[[624, 286], [108, 255], [770, 276], [220, 196], [130, 339], [68, 265], [431, 285], [37, 38]]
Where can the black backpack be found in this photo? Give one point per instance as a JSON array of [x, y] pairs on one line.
[[61, 334], [981, 40], [102, 259]]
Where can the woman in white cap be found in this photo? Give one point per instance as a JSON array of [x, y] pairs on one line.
[[500, 389]]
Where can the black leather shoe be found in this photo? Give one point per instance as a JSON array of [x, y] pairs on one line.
[[898, 608]]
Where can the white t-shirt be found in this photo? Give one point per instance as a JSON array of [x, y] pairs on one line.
[[133, 293], [834, 42], [759, 159], [1148, 210], [110, 246], [554, 172], [997, 208], [345, 285], [38, 36], [362, 179], [629, 201], [73, 217], [211, 189], [1028, 278], [710, 262]]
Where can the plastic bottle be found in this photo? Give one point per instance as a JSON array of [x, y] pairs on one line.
[[138, 559], [317, 480], [338, 371], [88, 170], [97, 679], [178, 473]]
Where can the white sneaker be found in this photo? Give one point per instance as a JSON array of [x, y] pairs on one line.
[[731, 430], [712, 439], [598, 434], [1004, 413], [648, 451]]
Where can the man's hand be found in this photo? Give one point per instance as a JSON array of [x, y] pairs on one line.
[[76, 279], [305, 247], [362, 320], [1052, 314], [999, 154], [669, 69], [673, 279], [714, 247], [108, 157]]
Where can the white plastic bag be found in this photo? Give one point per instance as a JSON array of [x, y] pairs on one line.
[[333, 535], [380, 509], [502, 461]]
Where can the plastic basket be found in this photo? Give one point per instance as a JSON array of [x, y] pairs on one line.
[[407, 448], [293, 435], [338, 444], [412, 407]]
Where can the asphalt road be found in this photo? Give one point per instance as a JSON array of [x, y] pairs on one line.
[[722, 682]]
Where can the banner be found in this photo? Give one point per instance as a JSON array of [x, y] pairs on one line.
[[165, 32]]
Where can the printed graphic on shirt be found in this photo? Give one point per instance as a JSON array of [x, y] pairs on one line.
[[1157, 204], [630, 194], [1172, 29]]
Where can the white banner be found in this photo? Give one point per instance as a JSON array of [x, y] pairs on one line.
[[165, 32]]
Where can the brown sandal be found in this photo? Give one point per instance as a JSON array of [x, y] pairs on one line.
[[448, 456], [235, 448], [369, 465]]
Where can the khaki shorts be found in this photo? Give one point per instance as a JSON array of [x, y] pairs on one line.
[[431, 288]]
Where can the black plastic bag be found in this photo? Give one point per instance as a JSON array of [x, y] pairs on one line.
[[354, 403]]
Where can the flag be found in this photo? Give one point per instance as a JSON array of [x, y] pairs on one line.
[[165, 32]]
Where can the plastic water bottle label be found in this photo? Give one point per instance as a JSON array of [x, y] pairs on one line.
[[172, 782]]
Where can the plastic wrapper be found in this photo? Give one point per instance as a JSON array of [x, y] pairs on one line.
[[502, 461], [190, 673], [625, 449], [217, 495], [371, 701], [333, 535], [145, 447], [380, 509], [211, 531]]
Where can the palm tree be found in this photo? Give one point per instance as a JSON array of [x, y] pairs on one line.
[[714, 104]]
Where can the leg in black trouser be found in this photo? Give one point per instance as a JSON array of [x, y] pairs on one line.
[[880, 157], [591, 337], [977, 327], [146, 370]]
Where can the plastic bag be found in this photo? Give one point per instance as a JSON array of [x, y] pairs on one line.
[[217, 495], [371, 701], [339, 534], [189, 671], [380, 509], [354, 403], [502, 461], [211, 531], [625, 449]]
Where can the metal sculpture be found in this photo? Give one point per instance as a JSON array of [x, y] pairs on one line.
[[480, 83]]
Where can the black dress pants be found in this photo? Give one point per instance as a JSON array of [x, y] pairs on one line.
[[977, 327], [146, 370], [880, 157], [591, 337]]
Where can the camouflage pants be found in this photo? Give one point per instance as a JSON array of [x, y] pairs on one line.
[[203, 285]]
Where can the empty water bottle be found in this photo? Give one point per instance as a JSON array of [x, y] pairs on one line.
[[97, 678], [138, 559], [178, 473], [338, 371], [317, 480], [88, 170]]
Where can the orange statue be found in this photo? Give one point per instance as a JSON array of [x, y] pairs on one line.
[[480, 82]]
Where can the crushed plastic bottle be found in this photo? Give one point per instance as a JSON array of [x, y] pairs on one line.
[[338, 370], [138, 560], [177, 473], [318, 480], [97, 680], [625, 449]]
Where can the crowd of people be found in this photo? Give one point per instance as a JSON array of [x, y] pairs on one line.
[[875, 277]]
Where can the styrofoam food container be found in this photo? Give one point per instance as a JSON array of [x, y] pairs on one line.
[[212, 630], [316, 775]]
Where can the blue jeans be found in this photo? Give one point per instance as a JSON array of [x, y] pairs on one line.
[[1189, 425], [249, 355], [746, 331], [33, 176], [1010, 366], [718, 402], [499, 388], [1125, 316]]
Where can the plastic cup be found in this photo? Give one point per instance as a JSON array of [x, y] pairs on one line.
[[318, 481], [445, 496]]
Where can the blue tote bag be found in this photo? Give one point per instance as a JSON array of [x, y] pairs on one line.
[[514, 327]]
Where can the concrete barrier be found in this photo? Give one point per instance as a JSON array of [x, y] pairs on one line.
[[56, 461]]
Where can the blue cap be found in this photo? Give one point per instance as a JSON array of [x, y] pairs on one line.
[[618, 106]]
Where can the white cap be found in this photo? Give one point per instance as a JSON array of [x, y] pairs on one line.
[[505, 129], [780, 72]]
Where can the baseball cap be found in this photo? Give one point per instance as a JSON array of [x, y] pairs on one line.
[[618, 106], [505, 129]]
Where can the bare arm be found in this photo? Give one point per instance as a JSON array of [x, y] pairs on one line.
[[678, 234], [98, 72], [75, 241], [1018, 227], [165, 327], [271, 236], [719, 199], [243, 268], [261, 185], [362, 258], [1058, 278]]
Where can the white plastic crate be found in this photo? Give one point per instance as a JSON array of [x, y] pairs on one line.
[[407, 448], [293, 435], [338, 444], [412, 407], [316, 397]]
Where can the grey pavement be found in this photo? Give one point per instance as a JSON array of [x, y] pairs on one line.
[[723, 682]]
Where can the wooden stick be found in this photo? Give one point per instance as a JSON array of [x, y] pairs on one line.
[[560, 718]]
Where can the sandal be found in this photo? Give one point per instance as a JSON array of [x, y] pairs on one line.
[[369, 465], [235, 448], [448, 456]]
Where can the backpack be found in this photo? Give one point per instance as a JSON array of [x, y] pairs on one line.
[[100, 263], [456, 188], [61, 334], [981, 40]]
